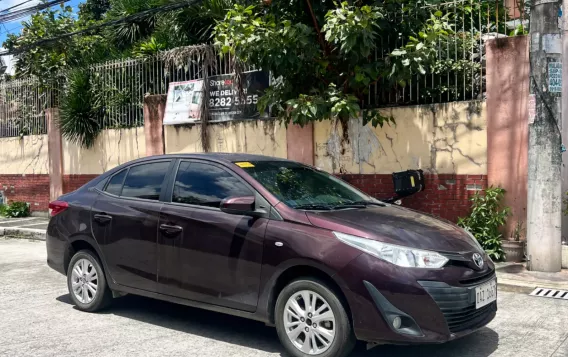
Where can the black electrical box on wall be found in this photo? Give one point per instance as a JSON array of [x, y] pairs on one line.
[[408, 182]]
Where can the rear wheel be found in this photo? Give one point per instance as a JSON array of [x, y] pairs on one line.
[[86, 282], [312, 321]]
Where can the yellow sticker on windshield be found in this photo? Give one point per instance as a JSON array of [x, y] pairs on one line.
[[244, 164], [412, 181]]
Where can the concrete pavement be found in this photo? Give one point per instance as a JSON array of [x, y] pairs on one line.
[[37, 319], [28, 227]]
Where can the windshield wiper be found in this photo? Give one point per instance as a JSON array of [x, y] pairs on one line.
[[348, 205], [314, 207], [380, 204], [357, 204]]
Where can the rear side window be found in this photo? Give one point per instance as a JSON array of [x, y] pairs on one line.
[[206, 185], [145, 181], [115, 184]]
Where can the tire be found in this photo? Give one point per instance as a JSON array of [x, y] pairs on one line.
[[102, 296], [338, 326]]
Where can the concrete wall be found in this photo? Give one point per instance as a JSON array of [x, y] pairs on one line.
[[440, 139], [27, 155], [507, 118], [112, 148], [254, 137], [24, 166]]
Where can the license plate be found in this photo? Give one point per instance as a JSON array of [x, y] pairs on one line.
[[485, 294]]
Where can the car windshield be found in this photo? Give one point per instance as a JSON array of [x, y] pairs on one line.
[[302, 187]]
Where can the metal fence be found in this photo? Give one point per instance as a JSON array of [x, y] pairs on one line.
[[460, 72], [122, 84], [22, 107]]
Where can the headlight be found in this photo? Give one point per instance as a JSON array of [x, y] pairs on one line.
[[475, 241], [395, 254]]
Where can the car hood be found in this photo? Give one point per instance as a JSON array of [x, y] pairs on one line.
[[397, 225]]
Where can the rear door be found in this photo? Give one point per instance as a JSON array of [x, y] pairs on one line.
[[206, 254], [125, 218]]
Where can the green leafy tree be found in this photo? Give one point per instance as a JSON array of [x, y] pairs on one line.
[[93, 10], [322, 54], [164, 30], [46, 62]]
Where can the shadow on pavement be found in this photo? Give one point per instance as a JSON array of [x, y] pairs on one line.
[[253, 334]]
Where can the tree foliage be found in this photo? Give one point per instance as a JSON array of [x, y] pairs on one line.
[[47, 62], [486, 219], [80, 109], [324, 60]]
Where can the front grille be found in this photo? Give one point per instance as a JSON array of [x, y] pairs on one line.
[[480, 278], [458, 305]]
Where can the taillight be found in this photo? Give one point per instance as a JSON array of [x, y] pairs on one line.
[[57, 207]]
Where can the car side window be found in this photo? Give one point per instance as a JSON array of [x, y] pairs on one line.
[[115, 184], [206, 185], [145, 181]]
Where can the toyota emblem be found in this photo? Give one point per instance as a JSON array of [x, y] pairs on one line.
[[478, 260]]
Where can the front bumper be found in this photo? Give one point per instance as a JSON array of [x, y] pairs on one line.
[[438, 304]]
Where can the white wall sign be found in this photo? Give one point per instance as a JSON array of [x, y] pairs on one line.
[[184, 102], [552, 43]]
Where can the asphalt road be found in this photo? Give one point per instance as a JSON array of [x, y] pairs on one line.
[[37, 319]]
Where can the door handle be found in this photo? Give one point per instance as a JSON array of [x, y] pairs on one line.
[[170, 230], [102, 218]]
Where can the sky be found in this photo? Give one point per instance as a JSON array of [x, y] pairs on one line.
[[15, 26]]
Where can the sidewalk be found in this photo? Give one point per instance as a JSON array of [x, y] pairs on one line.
[[516, 278], [29, 227]]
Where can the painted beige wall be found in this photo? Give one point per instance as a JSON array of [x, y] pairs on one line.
[[28, 155], [112, 148], [440, 138], [254, 137]]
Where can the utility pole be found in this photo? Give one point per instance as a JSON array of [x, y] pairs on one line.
[[564, 121], [545, 157]]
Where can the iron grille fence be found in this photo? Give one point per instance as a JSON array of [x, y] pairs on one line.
[[122, 84], [460, 71]]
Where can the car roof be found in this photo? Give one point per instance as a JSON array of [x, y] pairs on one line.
[[227, 157]]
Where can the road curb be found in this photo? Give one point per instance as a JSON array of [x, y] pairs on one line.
[[515, 287], [24, 233]]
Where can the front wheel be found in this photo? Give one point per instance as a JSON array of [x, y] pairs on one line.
[[86, 282], [312, 321]]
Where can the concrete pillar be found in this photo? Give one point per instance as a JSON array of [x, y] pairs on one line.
[[300, 143], [55, 153], [507, 123], [154, 110]]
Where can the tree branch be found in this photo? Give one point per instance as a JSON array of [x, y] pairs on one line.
[[316, 26]]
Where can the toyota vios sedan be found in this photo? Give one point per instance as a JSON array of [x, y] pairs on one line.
[[275, 241]]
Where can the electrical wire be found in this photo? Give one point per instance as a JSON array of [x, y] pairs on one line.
[[18, 14], [127, 19], [17, 5]]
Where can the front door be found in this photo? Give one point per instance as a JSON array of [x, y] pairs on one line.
[[205, 254], [125, 218]]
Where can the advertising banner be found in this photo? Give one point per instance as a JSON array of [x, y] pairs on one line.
[[183, 104]]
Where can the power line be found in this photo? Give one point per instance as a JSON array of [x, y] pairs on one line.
[[130, 18], [17, 5], [17, 14]]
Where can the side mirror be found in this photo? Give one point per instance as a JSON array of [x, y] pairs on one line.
[[244, 205]]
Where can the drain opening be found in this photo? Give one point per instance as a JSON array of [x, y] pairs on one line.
[[550, 293]]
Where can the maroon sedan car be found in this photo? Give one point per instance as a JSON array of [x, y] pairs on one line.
[[275, 241]]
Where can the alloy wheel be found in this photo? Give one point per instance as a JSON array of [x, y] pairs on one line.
[[309, 322], [84, 281]]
